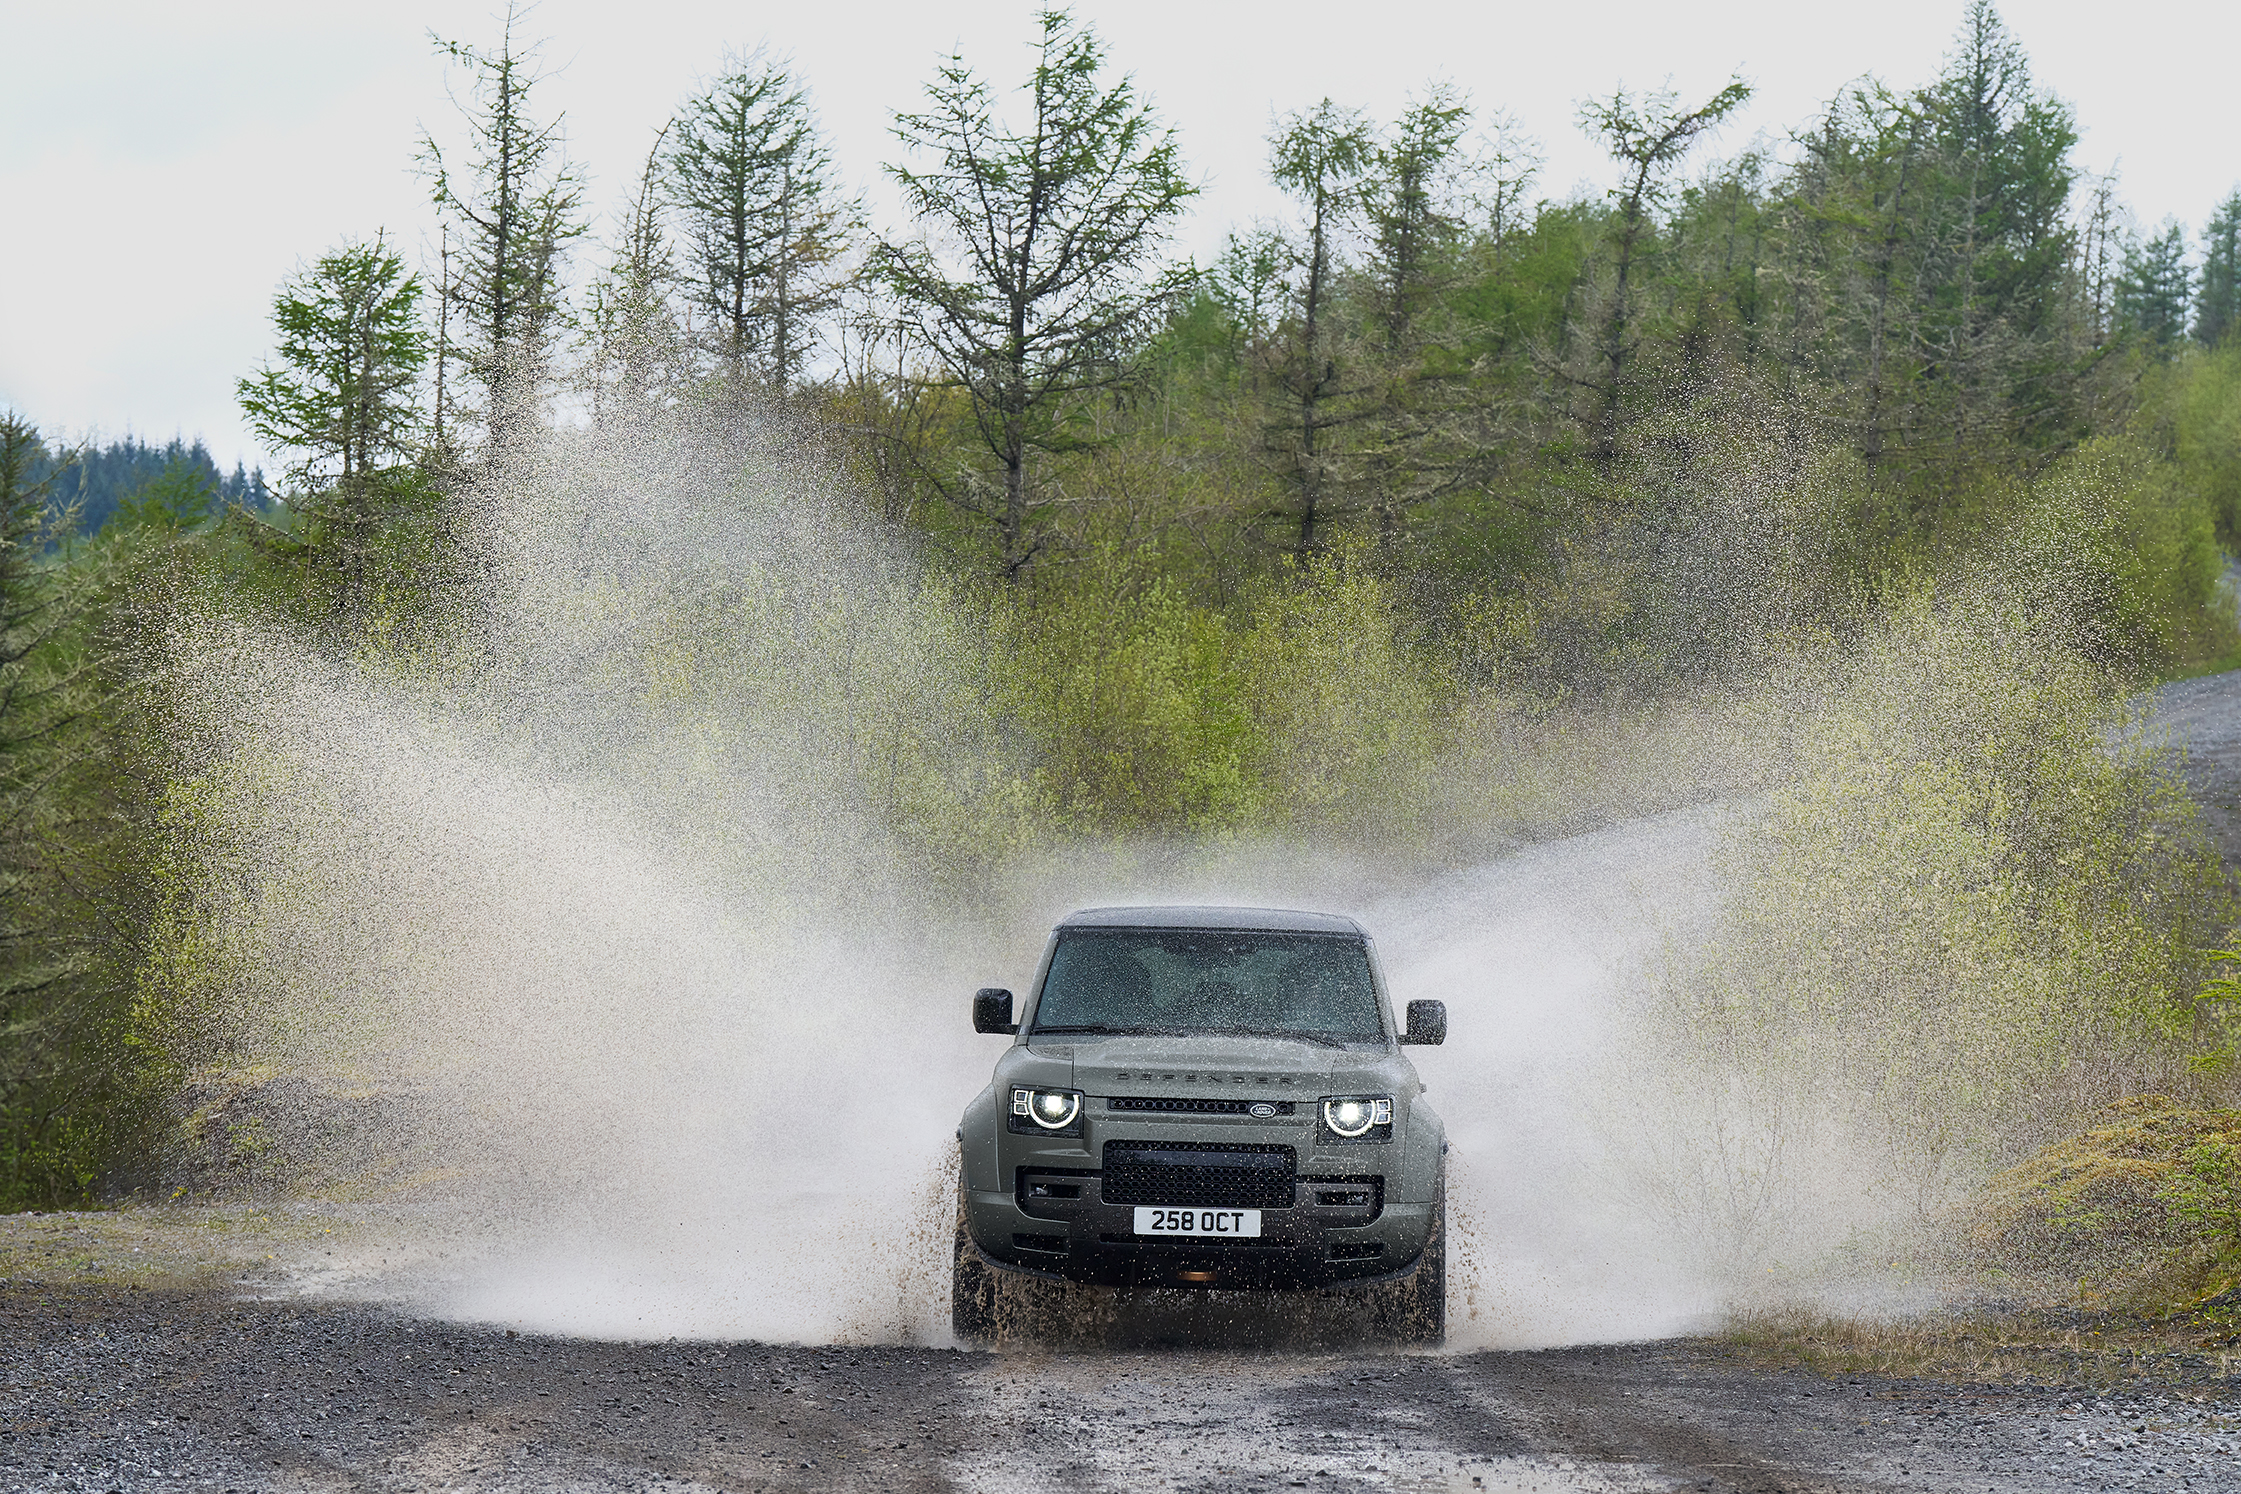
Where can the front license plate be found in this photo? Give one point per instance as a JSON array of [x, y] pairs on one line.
[[1238, 1224]]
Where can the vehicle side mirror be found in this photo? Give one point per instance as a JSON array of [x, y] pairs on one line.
[[1427, 1023], [992, 1010]]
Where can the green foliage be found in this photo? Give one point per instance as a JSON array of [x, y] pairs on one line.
[[763, 219], [351, 350], [2217, 301], [2201, 401], [1055, 226], [1312, 715], [1979, 906], [179, 498], [2154, 292], [2205, 1188], [2129, 548], [72, 770]]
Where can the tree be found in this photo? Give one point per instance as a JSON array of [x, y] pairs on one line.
[[350, 353], [2217, 302], [1998, 248], [1425, 431], [514, 210], [634, 355], [1319, 156], [180, 498], [1648, 135], [1032, 284], [50, 1121], [2154, 290], [763, 219], [1412, 223]]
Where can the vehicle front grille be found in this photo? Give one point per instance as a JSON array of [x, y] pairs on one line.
[[1196, 1107], [1200, 1173]]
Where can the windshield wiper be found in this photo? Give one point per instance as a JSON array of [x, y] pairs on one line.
[[1093, 1029]]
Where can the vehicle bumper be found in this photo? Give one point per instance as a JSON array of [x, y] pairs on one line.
[[1309, 1245]]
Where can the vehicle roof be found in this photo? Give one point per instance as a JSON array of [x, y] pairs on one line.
[[1286, 920]]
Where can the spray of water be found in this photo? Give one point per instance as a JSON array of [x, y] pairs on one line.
[[608, 902]]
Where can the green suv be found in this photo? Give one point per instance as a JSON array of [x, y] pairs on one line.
[[1204, 1098]]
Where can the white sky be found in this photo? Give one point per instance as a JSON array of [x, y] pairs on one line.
[[165, 166]]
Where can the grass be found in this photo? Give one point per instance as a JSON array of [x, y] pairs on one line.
[[151, 1249], [2027, 1347], [2092, 1269]]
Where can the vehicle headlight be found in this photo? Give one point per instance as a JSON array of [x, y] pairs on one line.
[[1052, 1112], [1357, 1117]]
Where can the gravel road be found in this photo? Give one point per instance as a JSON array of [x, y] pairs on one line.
[[122, 1389], [236, 1381]]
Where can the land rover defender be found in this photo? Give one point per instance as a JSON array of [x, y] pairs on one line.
[[1205, 1099]]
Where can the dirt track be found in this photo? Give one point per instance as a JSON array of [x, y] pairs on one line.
[[113, 1388]]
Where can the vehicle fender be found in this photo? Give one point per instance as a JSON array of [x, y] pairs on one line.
[[1422, 1146], [976, 1137]]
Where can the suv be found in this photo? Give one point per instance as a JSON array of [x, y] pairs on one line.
[[1204, 1098]]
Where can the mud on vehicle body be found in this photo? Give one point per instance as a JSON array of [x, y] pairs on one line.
[[1205, 1098]]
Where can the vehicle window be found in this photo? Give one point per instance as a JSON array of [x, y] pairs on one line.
[[1209, 980]]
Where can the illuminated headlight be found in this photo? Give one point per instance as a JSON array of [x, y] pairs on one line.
[[1355, 1117], [1054, 1112]]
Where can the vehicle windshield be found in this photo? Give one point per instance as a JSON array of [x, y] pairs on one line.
[[1175, 981]]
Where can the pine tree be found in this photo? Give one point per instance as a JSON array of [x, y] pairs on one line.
[[342, 399], [2217, 301], [2154, 290]]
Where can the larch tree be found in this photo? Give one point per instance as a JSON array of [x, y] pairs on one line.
[[1425, 431], [1039, 260], [765, 224], [1319, 157], [1410, 204], [633, 347], [1648, 135], [510, 210]]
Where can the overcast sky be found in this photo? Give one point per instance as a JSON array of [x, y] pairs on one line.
[[165, 166]]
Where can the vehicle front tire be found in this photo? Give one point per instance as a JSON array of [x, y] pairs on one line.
[[972, 1290], [1413, 1310]]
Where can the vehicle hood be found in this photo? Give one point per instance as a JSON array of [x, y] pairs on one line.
[[1225, 1066]]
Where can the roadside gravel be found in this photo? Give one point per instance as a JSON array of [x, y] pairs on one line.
[[113, 1387]]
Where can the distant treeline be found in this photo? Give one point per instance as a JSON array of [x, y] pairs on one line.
[[92, 482]]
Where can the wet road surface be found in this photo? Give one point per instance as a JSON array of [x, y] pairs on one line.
[[112, 1388]]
